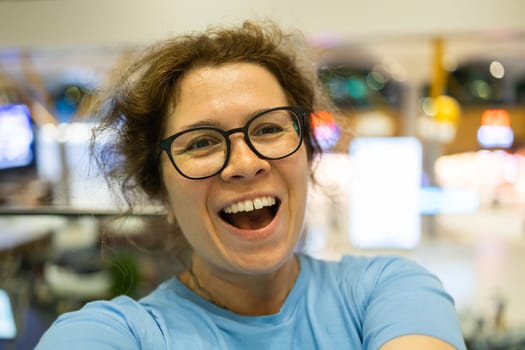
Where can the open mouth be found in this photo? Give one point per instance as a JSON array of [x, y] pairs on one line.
[[251, 214]]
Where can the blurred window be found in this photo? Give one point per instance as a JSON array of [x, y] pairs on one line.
[[359, 87], [477, 83]]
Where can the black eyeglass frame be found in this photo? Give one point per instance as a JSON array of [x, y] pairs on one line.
[[301, 113]]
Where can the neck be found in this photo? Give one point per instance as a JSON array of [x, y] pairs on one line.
[[250, 295]]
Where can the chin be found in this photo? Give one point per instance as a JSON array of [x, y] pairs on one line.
[[262, 262]]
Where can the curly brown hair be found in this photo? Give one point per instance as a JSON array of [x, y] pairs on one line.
[[134, 109]]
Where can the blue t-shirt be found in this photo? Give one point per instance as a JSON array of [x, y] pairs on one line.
[[355, 303]]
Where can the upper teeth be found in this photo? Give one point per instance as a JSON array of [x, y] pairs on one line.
[[249, 205]]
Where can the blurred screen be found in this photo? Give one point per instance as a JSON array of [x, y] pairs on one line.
[[7, 321], [16, 137], [63, 157]]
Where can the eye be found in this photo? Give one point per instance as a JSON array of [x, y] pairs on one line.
[[201, 143], [268, 129], [197, 143]]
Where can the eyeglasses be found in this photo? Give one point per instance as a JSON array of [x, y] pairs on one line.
[[204, 151]]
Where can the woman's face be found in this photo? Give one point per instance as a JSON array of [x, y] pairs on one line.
[[254, 242]]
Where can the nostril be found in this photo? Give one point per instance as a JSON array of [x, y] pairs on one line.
[[242, 173], [243, 162]]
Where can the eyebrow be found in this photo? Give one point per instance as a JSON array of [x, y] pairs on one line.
[[200, 123], [216, 123]]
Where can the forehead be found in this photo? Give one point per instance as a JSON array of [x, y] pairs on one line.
[[224, 94]]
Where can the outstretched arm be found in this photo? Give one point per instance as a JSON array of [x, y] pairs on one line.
[[416, 342]]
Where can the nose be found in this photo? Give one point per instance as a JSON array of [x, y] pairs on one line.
[[243, 162]]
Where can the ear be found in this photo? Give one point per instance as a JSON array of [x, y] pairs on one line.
[[170, 217]]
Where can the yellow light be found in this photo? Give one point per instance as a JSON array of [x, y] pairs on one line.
[[446, 109]]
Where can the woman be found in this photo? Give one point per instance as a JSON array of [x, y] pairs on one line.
[[217, 127]]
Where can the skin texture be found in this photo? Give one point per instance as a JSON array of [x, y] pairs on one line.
[[248, 272], [416, 342]]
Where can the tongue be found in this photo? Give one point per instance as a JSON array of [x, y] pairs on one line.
[[252, 220]]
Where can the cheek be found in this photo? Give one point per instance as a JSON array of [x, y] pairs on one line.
[[298, 178], [304, 175], [184, 196], [300, 170], [187, 203], [297, 174]]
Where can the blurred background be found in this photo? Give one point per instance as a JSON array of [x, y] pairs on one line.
[[426, 160]]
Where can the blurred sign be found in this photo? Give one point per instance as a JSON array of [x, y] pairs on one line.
[[385, 192], [495, 130], [495, 117]]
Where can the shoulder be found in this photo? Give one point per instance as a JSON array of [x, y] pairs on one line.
[[370, 270], [363, 278], [387, 294], [118, 323], [394, 291], [390, 282], [380, 270]]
